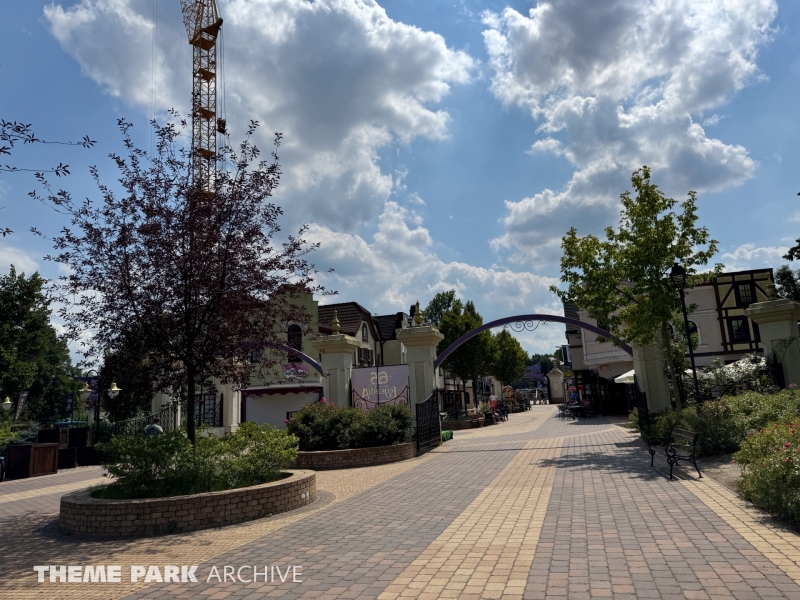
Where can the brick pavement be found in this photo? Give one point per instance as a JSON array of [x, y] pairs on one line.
[[532, 508]]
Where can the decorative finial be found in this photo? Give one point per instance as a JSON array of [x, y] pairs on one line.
[[335, 327], [771, 290], [417, 315]]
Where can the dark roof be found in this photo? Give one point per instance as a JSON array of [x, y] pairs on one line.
[[387, 324], [350, 315], [571, 312]]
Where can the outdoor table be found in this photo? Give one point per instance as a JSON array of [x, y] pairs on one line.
[[578, 410]]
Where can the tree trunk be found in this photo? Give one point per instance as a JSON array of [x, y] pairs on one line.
[[190, 402], [671, 364]]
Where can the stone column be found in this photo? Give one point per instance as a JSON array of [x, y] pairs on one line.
[[777, 323], [337, 352], [231, 407], [556, 377], [648, 364], [420, 342]]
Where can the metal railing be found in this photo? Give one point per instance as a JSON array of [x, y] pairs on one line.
[[168, 417]]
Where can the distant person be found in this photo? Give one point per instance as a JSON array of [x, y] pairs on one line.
[[154, 428], [574, 397]]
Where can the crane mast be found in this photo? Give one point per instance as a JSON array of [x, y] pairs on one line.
[[203, 24]]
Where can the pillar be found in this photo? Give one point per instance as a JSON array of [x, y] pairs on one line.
[[556, 378], [231, 407], [336, 358], [420, 342], [777, 323]]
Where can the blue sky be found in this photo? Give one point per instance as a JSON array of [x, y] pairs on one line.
[[436, 144]]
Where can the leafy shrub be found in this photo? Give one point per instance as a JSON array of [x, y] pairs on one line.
[[324, 426], [724, 423], [770, 459], [633, 419], [26, 436], [168, 465], [386, 425]]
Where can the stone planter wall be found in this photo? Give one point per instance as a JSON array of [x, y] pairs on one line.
[[357, 457], [93, 517], [461, 425]]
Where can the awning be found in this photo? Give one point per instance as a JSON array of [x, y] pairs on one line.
[[625, 377], [282, 389]]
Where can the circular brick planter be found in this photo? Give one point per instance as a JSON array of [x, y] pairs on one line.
[[96, 517], [326, 460]]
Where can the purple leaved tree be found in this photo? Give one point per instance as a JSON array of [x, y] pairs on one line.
[[190, 275]]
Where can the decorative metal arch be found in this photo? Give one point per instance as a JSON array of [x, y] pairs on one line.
[[524, 323], [304, 357]]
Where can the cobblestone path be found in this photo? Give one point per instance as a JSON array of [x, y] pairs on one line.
[[533, 508]]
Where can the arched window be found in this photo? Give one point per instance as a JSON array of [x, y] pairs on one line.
[[693, 328], [364, 336], [295, 342]]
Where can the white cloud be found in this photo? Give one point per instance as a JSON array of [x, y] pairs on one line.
[[398, 266], [338, 77], [623, 81], [416, 199], [22, 261], [750, 256], [545, 146]]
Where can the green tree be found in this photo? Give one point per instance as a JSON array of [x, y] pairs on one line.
[[32, 357], [546, 362], [510, 358], [474, 358], [557, 356], [438, 306], [788, 283], [127, 367], [623, 280]]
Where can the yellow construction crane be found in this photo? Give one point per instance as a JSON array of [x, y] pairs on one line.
[[202, 26]]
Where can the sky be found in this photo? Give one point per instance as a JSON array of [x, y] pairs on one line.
[[432, 145]]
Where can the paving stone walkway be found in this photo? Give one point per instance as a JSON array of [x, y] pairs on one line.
[[533, 508]]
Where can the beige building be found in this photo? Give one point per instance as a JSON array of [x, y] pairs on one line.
[[717, 313]]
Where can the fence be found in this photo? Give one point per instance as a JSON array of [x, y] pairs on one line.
[[429, 429], [168, 417]]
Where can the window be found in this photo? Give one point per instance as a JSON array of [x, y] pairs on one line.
[[364, 336], [693, 328], [295, 342], [745, 293], [739, 330]]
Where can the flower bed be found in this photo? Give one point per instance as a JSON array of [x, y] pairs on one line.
[[770, 459], [352, 458], [323, 426], [461, 425], [84, 515]]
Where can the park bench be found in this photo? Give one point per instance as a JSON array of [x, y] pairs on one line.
[[681, 446]]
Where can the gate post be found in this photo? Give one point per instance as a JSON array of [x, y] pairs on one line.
[[777, 323], [420, 342], [336, 352]]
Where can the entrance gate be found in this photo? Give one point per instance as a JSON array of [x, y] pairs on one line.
[[524, 322]]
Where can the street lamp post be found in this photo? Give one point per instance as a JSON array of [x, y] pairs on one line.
[[678, 278], [113, 392], [7, 404]]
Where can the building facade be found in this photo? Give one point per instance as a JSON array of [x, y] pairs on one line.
[[717, 314]]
